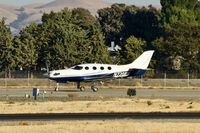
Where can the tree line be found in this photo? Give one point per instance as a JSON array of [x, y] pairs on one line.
[[75, 36]]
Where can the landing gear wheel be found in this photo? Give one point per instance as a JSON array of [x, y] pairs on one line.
[[94, 88], [56, 89], [82, 88]]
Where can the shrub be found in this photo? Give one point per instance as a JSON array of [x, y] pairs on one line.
[[190, 107], [131, 92], [149, 103]]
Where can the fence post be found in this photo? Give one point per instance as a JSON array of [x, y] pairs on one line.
[[188, 79], [6, 84], [141, 80], [5, 80], [165, 78], [28, 78], [119, 82], [49, 84]]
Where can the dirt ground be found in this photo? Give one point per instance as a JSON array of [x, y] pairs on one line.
[[111, 105], [101, 126]]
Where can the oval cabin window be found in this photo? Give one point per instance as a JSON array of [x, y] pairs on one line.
[[102, 68], [109, 68], [94, 68], [86, 68]]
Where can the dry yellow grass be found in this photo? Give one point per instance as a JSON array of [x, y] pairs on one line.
[[108, 126], [102, 126], [19, 83], [115, 105]]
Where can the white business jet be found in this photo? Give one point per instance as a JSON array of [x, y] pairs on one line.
[[89, 72]]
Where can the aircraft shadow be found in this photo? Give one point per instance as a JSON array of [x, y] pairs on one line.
[[74, 90]]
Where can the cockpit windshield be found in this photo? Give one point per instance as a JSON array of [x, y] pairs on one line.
[[77, 67]]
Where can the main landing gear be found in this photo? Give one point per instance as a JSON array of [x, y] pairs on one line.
[[94, 88], [79, 87], [82, 88]]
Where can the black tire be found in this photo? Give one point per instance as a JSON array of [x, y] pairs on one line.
[[94, 88]]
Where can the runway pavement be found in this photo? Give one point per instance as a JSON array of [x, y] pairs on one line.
[[174, 94], [102, 116]]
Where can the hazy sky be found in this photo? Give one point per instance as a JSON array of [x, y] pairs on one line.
[[25, 2], [22, 2], [137, 2]]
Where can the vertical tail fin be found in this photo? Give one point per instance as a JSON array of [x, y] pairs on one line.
[[142, 62]]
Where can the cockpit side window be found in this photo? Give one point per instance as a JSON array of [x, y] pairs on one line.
[[56, 74], [77, 68]]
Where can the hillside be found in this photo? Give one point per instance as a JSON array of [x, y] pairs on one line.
[[18, 17]]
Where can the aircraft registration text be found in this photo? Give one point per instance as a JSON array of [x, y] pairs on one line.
[[120, 74]]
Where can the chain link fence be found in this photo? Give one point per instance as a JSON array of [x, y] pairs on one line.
[[32, 79]]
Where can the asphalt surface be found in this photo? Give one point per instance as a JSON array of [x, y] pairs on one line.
[[171, 94], [102, 116]]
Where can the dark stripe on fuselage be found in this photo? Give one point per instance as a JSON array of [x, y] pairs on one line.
[[136, 72], [81, 78], [132, 72]]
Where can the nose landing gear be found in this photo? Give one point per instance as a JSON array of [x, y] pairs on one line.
[[57, 87]]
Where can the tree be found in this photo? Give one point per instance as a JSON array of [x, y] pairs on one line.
[[97, 49], [83, 18], [67, 35], [6, 57], [197, 11], [60, 46], [182, 11], [120, 22], [25, 48], [132, 48], [181, 40], [178, 45], [142, 23], [111, 22]]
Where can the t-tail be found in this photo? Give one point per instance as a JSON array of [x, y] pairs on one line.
[[139, 66]]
